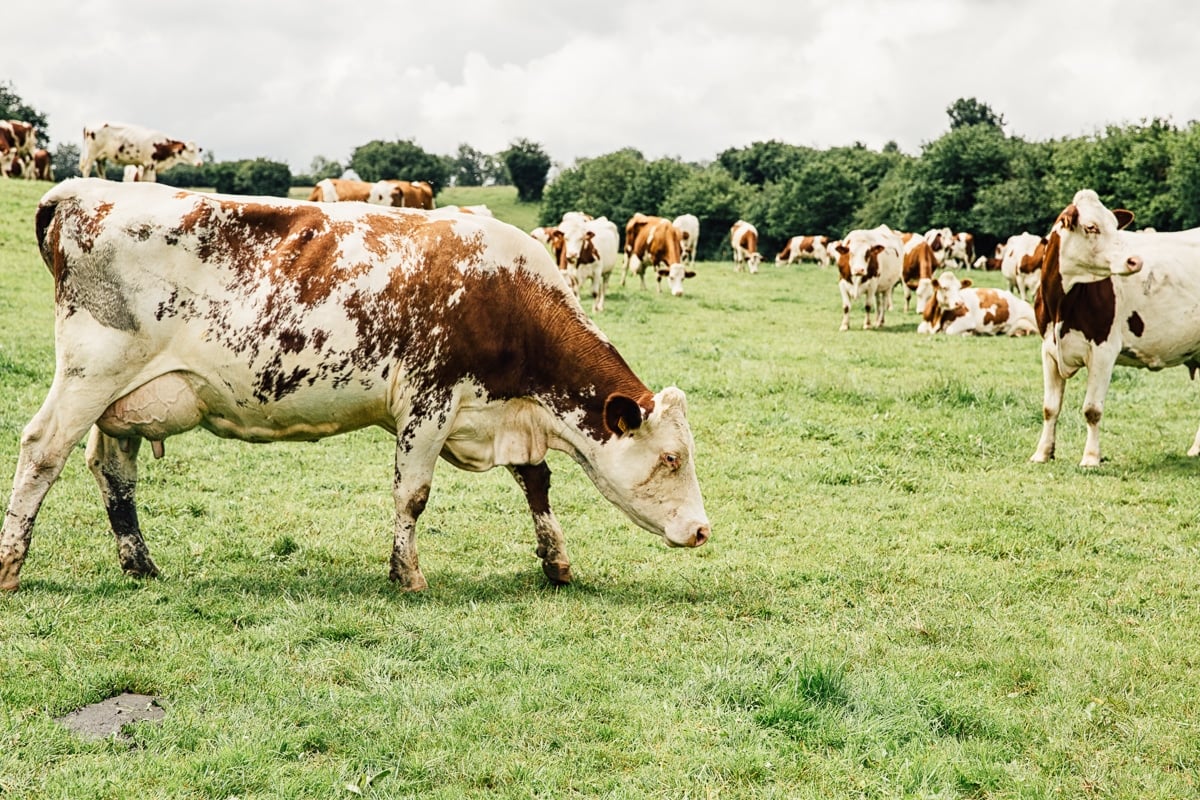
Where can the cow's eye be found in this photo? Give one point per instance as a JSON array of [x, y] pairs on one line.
[[1093, 228], [671, 460]]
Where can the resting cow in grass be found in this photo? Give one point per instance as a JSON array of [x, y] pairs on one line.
[[958, 308], [266, 319], [1110, 297]]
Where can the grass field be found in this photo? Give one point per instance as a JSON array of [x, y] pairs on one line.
[[894, 603]]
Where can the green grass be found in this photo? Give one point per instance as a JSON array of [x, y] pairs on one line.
[[895, 603]]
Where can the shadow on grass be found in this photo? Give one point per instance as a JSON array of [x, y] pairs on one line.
[[445, 588]]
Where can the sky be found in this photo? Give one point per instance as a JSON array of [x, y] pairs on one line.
[[290, 81]]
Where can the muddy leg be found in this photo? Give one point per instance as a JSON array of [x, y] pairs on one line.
[[114, 463], [534, 480]]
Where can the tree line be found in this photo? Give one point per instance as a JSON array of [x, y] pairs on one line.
[[974, 177]]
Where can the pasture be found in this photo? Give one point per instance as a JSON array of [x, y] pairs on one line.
[[894, 602]]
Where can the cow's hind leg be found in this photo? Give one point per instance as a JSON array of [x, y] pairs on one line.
[[1194, 450], [534, 480], [114, 464], [45, 444], [417, 447]]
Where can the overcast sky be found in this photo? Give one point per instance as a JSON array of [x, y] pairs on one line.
[[292, 80]]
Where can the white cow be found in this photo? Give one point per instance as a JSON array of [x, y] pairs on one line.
[[132, 144], [870, 263], [1021, 264], [266, 319], [744, 238], [688, 226], [591, 248]]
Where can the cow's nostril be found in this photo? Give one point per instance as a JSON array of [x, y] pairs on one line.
[[702, 534], [1133, 263]]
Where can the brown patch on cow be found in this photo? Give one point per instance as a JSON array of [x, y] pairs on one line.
[[1136, 325], [166, 149], [919, 264], [1032, 262], [996, 306], [1089, 308], [1068, 219], [656, 243]]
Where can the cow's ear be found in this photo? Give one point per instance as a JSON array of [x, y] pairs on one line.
[[622, 414], [1123, 216], [965, 282], [591, 234], [664, 271], [689, 273]]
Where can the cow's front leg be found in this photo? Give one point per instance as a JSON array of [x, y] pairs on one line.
[[1194, 450], [416, 455], [846, 300], [1100, 368], [1053, 387], [534, 480], [114, 464]]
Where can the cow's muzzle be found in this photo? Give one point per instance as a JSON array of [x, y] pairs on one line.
[[693, 535]]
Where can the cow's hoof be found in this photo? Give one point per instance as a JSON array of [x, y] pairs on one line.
[[557, 572], [409, 581], [142, 567]]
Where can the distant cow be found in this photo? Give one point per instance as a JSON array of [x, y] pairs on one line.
[[266, 319], [18, 135], [870, 263], [688, 226], [958, 308], [917, 273], [653, 242], [590, 250], [1112, 297], [120, 143], [744, 238], [334, 190], [805, 248], [1021, 263], [401, 194]]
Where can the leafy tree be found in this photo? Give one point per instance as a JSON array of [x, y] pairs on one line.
[[1183, 179], [887, 204], [950, 174], [259, 176], [65, 161], [596, 186], [471, 167], [717, 200], [819, 198], [403, 160], [965, 112], [319, 169], [13, 107], [528, 164], [763, 162]]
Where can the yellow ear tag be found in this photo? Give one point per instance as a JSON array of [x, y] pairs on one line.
[[621, 425]]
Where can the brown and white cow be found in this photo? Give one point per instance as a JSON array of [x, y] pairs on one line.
[[917, 272], [653, 242], [401, 194], [121, 143], [870, 263], [42, 168], [589, 250], [688, 226], [806, 248], [334, 190], [1112, 297], [744, 238], [1021, 264], [959, 308], [18, 135], [267, 319]]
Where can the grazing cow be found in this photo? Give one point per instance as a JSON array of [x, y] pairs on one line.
[[1021, 263], [18, 135], [43, 168], [1143, 317], [806, 248], [401, 194], [267, 319], [744, 238], [870, 263], [958, 308], [590, 249], [917, 272], [334, 190], [960, 253], [993, 263], [119, 143], [688, 226], [654, 242]]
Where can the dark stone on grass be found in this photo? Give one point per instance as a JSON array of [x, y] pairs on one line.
[[108, 717]]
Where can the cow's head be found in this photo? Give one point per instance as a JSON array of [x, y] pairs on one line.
[[947, 290], [1090, 245], [647, 467], [675, 273]]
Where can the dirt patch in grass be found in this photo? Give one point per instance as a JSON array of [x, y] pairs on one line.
[[109, 717]]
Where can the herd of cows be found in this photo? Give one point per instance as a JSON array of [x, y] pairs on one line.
[[268, 319]]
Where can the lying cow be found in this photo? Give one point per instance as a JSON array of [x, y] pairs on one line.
[[265, 319], [958, 308], [1146, 317], [806, 248], [120, 143]]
